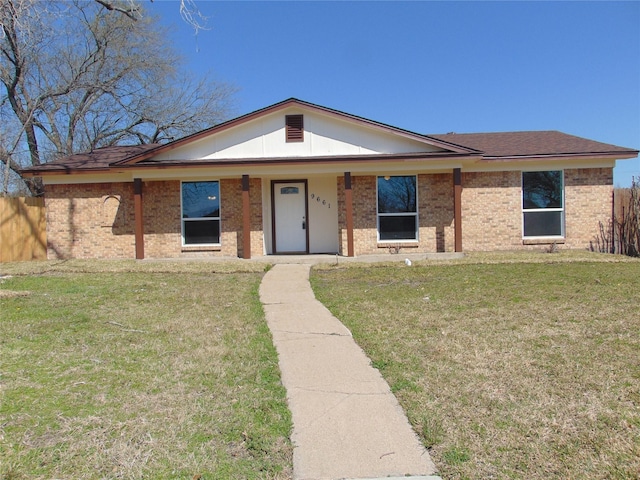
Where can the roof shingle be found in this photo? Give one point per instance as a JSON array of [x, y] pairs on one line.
[[98, 159], [492, 145], [519, 144]]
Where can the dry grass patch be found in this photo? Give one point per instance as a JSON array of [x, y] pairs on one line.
[[13, 294], [506, 370], [216, 265], [119, 373]]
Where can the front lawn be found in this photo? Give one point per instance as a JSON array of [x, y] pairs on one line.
[[506, 370], [138, 370]]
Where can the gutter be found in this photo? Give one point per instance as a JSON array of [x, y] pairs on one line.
[[549, 156]]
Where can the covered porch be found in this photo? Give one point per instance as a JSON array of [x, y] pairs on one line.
[[329, 213]]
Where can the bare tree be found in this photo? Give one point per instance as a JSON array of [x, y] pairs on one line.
[[75, 76], [189, 11]]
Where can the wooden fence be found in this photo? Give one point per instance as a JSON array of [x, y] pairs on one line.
[[627, 220], [621, 234], [23, 233], [621, 202]]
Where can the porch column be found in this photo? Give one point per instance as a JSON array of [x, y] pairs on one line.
[[246, 218], [348, 200], [139, 225], [457, 208]]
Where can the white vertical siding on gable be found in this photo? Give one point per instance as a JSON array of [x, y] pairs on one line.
[[323, 136]]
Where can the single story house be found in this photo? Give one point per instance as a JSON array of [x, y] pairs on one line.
[[296, 177]]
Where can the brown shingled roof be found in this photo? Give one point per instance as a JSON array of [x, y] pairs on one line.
[[98, 159], [492, 145], [519, 144]]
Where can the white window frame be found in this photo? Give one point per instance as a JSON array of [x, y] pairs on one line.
[[195, 219], [561, 209], [401, 214]]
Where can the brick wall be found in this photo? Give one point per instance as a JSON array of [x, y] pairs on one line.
[[435, 199], [90, 221], [365, 233], [231, 217], [161, 213], [492, 209], [435, 207], [97, 220], [588, 201]]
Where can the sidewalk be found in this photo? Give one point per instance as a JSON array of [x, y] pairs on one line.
[[346, 422]]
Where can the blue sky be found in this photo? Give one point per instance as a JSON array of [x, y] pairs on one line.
[[432, 67]]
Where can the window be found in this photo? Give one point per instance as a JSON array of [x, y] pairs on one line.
[[543, 204], [200, 213], [294, 128], [397, 208]]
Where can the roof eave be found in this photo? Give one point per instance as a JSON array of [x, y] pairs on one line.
[[413, 157], [115, 167], [31, 173], [616, 155]]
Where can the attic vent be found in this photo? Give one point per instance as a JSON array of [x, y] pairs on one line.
[[294, 128]]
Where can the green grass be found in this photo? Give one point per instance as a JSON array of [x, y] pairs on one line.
[[138, 370], [525, 369]]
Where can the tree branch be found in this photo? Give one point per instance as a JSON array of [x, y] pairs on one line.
[[131, 12]]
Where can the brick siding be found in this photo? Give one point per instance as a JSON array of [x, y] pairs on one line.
[[435, 199], [90, 221], [492, 209], [435, 210], [588, 201], [97, 220], [231, 217], [491, 212], [161, 213]]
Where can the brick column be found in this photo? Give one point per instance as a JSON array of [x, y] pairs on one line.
[[457, 208], [139, 221], [246, 218], [348, 201]]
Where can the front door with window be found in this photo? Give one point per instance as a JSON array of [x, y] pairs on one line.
[[290, 217]]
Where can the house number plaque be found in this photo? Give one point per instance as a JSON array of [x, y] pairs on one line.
[[320, 200]]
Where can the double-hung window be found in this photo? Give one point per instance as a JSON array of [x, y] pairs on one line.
[[397, 208], [543, 204], [201, 213]]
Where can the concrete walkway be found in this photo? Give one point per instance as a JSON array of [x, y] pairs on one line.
[[346, 422]]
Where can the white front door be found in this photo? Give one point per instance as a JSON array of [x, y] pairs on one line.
[[290, 217]]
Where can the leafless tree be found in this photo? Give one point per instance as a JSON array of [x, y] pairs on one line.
[[189, 11], [79, 75]]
